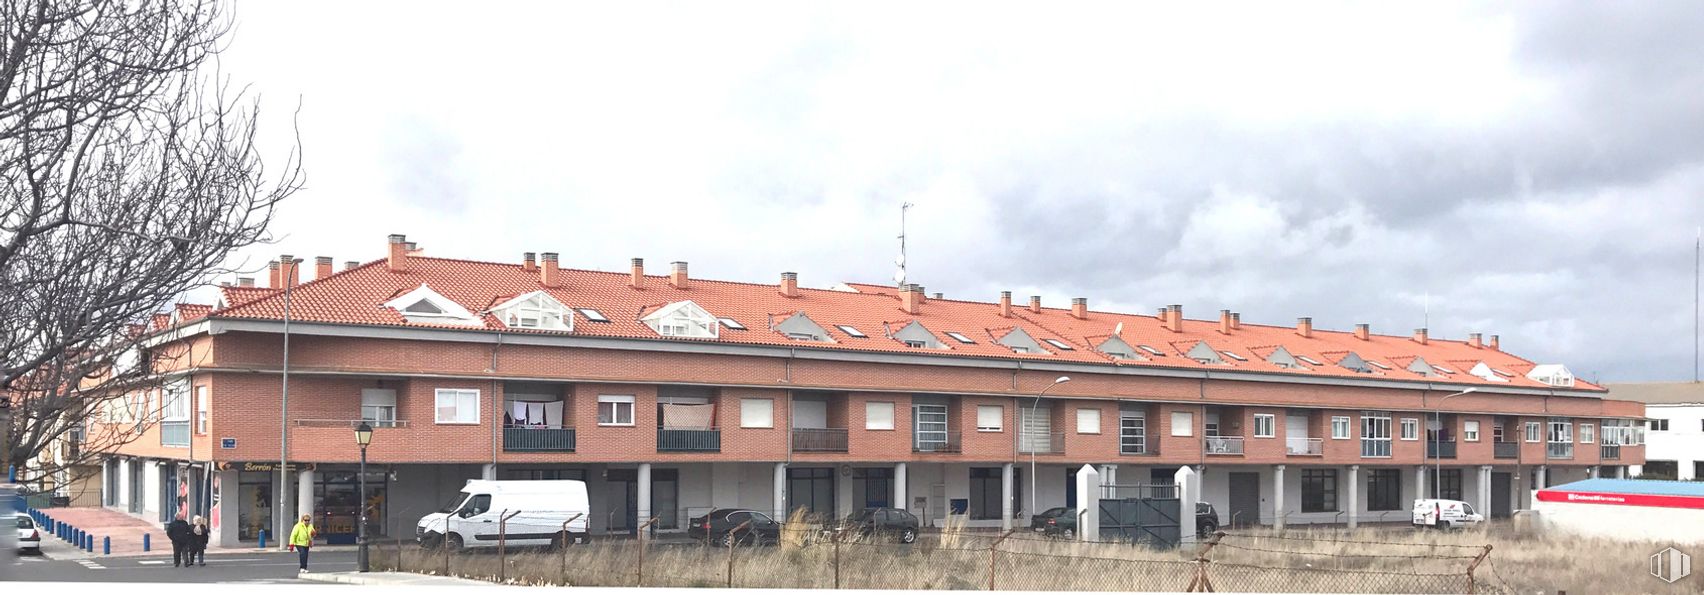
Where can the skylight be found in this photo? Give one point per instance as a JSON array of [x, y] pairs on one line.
[[852, 332], [1151, 350], [1378, 365], [593, 315], [1234, 356], [1060, 344], [960, 338], [733, 324], [1502, 373], [1444, 370], [1309, 360]]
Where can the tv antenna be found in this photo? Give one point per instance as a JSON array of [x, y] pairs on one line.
[[899, 275]]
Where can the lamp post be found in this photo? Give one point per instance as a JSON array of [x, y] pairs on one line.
[[363, 437], [1438, 440], [1056, 382]]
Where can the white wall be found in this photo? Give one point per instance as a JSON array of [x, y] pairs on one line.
[[1216, 490], [123, 484], [1633, 523], [151, 490], [1683, 443]]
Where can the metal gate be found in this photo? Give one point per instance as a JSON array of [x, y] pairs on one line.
[[1140, 514]]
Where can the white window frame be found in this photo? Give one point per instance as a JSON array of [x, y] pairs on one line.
[[1183, 423], [999, 412], [616, 401], [1410, 428], [456, 394], [1376, 434], [1534, 432], [749, 412], [384, 413], [174, 402], [201, 410], [1470, 430], [1091, 425], [535, 310], [1560, 432], [1588, 433], [872, 413], [1340, 427], [1265, 425]]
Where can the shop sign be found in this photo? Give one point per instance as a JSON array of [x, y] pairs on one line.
[[267, 467]]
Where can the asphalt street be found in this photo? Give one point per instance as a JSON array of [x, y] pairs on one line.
[[241, 567]]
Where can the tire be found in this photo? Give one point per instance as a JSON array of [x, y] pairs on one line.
[[1207, 529], [908, 535], [432, 541], [561, 540], [454, 542], [1068, 534], [727, 540]]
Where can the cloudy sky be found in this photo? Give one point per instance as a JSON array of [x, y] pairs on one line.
[[1537, 171]]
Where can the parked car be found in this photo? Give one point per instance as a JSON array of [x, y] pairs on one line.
[[1444, 514], [1062, 522], [549, 512], [885, 522], [29, 538], [723, 527], [1206, 519]]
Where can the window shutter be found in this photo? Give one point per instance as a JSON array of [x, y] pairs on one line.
[[1182, 423], [1088, 421], [757, 413], [878, 416], [990, 417]]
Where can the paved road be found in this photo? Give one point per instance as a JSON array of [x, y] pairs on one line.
[[269, 567]]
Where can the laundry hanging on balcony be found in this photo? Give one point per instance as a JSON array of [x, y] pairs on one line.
[[535, 415], [688, 417]]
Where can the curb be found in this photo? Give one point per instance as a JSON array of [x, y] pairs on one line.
[[390, 579]]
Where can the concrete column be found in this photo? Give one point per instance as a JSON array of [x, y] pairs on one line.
[[1543, 475], [1006, 494], [843, 504], [304, 493], [900, 493], [1635, 470], [1188, 484], [1108, 478], [1420, 491], [1484, 504], [222, 523], [780, 491], [642, 500], [488, 472], [1354, 495], [1621, 472], [1277, 497], [123, 500], [1683, 470], [1088, 499], [724, 485]]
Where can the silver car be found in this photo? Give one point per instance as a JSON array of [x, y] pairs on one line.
[[29, 538]]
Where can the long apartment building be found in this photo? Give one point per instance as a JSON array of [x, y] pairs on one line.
[[671, 395]]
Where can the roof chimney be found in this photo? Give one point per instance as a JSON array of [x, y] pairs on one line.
[[1364, 332], [1035, 304], [413, 247], [245, 281], [910, 298], [1473, 339], [529, 262], [636, 273], [549, 275], [1304, 326], [398, 259], [350, 265], [1080, 308], [272, 278], [677, 277], [1420, 336], [938, 295], [1225, 323], [322, 267], [1236, 320], [790, 284], [1174, 318], [1493, 344], [292, 271], [1006, 304]]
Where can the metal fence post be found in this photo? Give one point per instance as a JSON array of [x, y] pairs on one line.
[[733, 540], [993, 552], [643, 545], [836, 538], [1472, 584], [566, 536], [1202, 583], [502, 537]]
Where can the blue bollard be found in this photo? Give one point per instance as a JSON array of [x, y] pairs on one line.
[[146, 541], [263, 539], [106, 546], [78, 538], [89, 544]]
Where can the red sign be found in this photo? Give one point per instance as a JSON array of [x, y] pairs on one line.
[[1621, 499]]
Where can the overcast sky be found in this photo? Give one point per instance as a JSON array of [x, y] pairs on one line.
[[1537, 171]]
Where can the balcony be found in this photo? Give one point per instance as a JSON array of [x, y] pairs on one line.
[[1559, 450], [523, 439], [174, 433], [1137, 448], [819, 439], [1507, 450], [1610, 452], [1224, 445], [1304, 447], [1042, 444], [1441, 449], [936, 442], [349, 423], [695, 440]]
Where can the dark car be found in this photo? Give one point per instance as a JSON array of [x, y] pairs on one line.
[[723, 527], [899, 524], [1062, 522], [1206, 519]]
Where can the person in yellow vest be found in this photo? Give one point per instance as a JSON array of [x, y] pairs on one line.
[[302, 540]]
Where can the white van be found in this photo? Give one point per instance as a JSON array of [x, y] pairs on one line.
[[552, 513], [1444, 514]]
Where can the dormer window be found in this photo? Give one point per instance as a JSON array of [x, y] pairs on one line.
[[1354, 363], [534, 310], [684, 319], [1118, 349], [915, 335], [1020, 341], [917, 344], [1556, 375], [1487, 373], [1202, 353], [423, 305], [800, 327]]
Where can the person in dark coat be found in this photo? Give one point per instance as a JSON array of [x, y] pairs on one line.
[[178, 532], [198, 535]]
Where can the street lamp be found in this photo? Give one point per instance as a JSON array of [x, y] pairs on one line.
[[363, 437], [1056, 382], [1437, 458]]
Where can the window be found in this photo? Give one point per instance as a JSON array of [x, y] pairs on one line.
[[1151, 350], [1378, 365], [684, 319], [929, 428], [1339, 427], [175, 405], [535, 310], [915, 344], [457, 406], [1058, 344], [423, 307], [1587, 434], [851, 332], [1410, 428], [1182, 423], [757, 413], [1497, 431], [1561, 440], [1234, 356], [878, 415], [1657, 425], [1132, 435], [1533, 432], [1265, 425], [1319, 490], [1088, 421], [1309, 360], [1470, 430], [1384, 490], [1375, 433], [990, 418], [615, 410], [732, 324], [986, 491], [593, 315], [378, 406], [1447, 485], [201, 410], [960, 338]]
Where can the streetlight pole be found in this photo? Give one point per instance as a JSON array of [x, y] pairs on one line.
[[283, 514], [1438, 439], [1033, 406], [363, 437]]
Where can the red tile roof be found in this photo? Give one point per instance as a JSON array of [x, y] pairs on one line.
[[355, 296]]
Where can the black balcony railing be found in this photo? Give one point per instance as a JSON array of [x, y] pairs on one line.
[[1610, 452], [937, 442], [519, 439], [1445, 449], [819, 439], [1559, 450], [1507, 450], [1046, 444], [695, 440]]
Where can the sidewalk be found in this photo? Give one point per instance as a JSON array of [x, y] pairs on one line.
[[126, 531], [392, 579]]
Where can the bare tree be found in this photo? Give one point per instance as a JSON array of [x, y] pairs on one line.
[[129, 173]]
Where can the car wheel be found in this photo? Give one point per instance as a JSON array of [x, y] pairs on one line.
[[1207, 529], [454, 541], [909, 535], [1068, 534], [727, 539], [562, 540]]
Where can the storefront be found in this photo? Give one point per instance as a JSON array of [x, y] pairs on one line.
[[338, 501]]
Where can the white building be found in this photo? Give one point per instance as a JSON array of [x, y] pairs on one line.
[[1674, 437]]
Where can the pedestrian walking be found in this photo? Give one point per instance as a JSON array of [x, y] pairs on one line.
[[302, 540], [198, 535], [178, 532]]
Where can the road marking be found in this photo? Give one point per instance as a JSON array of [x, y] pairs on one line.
[[151, 562], [91, 565]]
